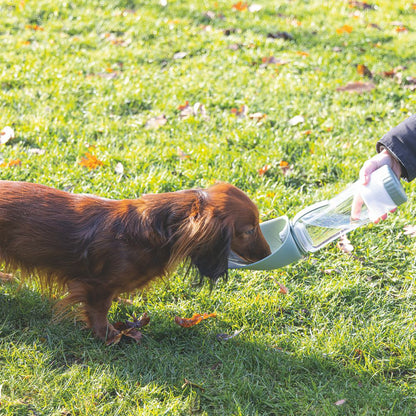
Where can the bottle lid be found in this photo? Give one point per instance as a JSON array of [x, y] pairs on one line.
[[383, 193], [393, 186]]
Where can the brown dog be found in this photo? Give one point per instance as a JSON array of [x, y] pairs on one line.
[[97, 248]]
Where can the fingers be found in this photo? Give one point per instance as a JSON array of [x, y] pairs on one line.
[[368, 168], [357, 204]]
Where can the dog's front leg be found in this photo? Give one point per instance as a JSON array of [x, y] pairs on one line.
[[96, 304]]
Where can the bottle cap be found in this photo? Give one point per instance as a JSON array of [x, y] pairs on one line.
[[383, 193]]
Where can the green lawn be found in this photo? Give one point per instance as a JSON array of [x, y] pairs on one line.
[[83, 77]]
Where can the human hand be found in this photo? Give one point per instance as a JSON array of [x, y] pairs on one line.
[[376, 162]]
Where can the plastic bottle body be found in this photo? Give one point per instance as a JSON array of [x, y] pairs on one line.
[[319, 224]]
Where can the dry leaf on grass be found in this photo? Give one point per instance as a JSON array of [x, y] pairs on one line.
[[410, 230], [132, 333], [227, 337], [345, 245], [90, 161], [364, 71], [190, 383], [12, 163], [264, 169], [195, 320], [6, 134], [294, 121], [156, 122], [358, 87], [6, 277], [130, 329]]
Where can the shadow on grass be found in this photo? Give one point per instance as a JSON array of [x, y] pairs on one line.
[[240, 376]]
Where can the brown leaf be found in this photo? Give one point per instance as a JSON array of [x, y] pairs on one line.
[[240, 6], [90, 161], [6, 277], [285, 167], [12, 163], [195, 320], [358, 87], [132, 333], [345, 245], [271, 60], [240, 112], [264, 169], [188, 110], [156, 122], [364, 71], [257, 116], [344, 29], [361, 5], [280, 35]]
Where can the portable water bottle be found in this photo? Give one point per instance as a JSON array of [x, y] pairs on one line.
[[319, 224]]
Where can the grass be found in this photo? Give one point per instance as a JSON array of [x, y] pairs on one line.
[[78, 77]]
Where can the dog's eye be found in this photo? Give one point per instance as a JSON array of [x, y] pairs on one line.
[[249, 232]]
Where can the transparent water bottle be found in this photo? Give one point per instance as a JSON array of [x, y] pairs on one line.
[[321, 223]]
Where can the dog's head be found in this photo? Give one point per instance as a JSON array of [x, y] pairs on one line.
[[231, 222]]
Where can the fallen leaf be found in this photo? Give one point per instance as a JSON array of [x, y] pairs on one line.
[[253, 8], [6, 134], [364, 71], [361, 5], [374, 26], [195, 320], [264, 169], [179, 55], [35, 27], [188, 110], [296, 120], [90, 161], [302, 53], [12, 163], [283, 289], [284, 166], [119, 169], [189, 383], [181, 154], [271, 60], [401, 29], [410, 230], [6, 277], [240, 112], [358, 87], [340, 402], [280, 35], [227, 337], [345, 245], [36, 151], [257, 116], [344, 29], [132, 333], [156, 122], [240, 6]]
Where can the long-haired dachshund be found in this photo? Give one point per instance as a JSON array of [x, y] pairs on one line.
[[96, 248]]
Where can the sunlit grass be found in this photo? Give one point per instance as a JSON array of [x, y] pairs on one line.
[[78, 77]]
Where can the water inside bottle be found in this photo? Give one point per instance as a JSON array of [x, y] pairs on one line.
[[326, 223]]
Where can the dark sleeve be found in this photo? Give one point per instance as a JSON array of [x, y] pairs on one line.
[[401, 143]]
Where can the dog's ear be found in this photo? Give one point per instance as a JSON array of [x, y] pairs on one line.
[[211, 259]]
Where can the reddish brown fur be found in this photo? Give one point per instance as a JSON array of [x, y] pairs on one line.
[[96, 248]]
